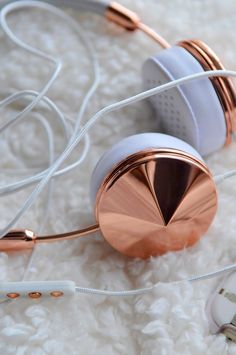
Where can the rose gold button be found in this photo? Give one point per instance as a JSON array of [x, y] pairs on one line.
[[56, 293], [35, 294], [13, 295]]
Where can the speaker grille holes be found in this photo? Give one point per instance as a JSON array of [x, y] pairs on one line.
[[168, 106], [172, 108]]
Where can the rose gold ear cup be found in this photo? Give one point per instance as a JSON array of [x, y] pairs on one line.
[[156, 201], [222, 85]]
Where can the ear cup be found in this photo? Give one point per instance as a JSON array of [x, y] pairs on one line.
[[192, 112], [152, 194], [129, 146]]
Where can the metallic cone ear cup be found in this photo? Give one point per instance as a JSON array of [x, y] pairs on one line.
[[131, 145], [155, 201]]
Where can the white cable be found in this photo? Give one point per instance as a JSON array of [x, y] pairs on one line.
[[222, 177], [22, 184], [57, 63], [48, 103], [141, 291], [16, 186], [37, 4], [51, 159], [85, 102], [50, 140], [78, 136], [69, 287], [145, 290], [90, 92], [50, 190]]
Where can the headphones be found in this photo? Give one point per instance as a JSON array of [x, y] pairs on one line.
[[152, 192]]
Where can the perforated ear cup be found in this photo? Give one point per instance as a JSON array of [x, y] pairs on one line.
[[191, 112], [129, 146]]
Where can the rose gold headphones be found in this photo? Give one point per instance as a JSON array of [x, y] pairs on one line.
[[153, 192]]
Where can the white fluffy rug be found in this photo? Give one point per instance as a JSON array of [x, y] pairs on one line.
[[170, 320]]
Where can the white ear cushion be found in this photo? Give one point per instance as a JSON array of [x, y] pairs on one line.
[[129, 146], [192, 112]]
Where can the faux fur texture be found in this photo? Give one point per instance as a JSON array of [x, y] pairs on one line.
[[172, 319]]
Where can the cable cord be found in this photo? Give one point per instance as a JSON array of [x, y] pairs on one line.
[[78, 30], [40, 96], [26, 94], [21, 184], [50, 189], [222, 177], [57, 63], [24, 288], [142, 291]]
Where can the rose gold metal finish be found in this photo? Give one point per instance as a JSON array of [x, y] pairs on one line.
[[222, 85], [122, 16], [154, 35], [56, 293], [130, 21], [22, 239], [13, 295], [65, 236], [156, 201], [35, 295], [19, 239]]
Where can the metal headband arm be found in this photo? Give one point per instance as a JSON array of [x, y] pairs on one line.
[[113, 11], [21, 239]]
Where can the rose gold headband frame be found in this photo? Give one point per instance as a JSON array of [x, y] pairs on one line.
[[130, 21]]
